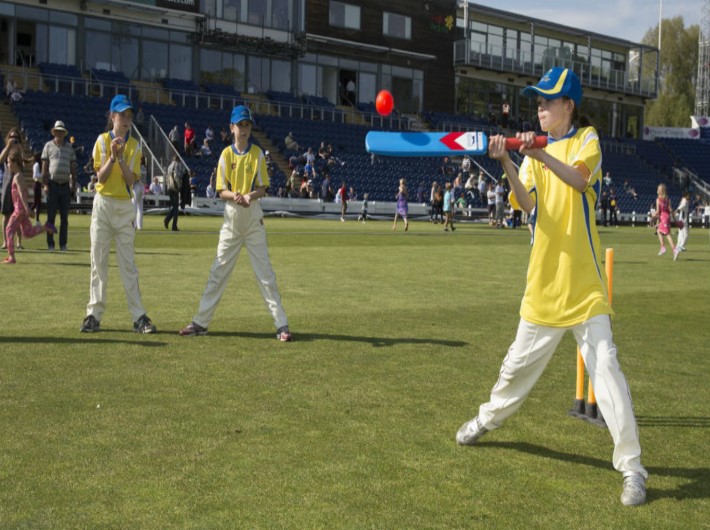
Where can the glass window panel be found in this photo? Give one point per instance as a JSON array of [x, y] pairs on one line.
[[41, 44], [366, 87], [155, 33], [180, 62], [281, 76], [238, 72], [67, 19], [257, 12], [32, 13], [230, 10], [125, 54], [155, 60], [98, 50], [97, 23], [307, 79], [63, 45], [344, 15], [398, 26], [209, 7], [280, 15], [180, 36], [258, 76]]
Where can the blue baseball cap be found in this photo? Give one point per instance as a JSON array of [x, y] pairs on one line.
[[121, 103], [556, 83], [241, 113]]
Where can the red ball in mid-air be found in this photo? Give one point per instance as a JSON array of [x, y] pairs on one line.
[[384, 103]]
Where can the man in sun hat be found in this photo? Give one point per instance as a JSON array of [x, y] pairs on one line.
[[242, 179], [59, 178]]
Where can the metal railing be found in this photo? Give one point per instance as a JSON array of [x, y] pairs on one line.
[[153, 165], [470, 53], [161, 144]]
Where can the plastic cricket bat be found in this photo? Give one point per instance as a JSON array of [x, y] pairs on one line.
[[436, 143]]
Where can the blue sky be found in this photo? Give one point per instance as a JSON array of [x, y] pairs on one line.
[[624, 19]]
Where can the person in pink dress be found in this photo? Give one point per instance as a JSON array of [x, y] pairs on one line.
[[663, 214], [20, 218]]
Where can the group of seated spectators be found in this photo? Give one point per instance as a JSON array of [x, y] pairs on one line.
[[306, 167], [208, 147]]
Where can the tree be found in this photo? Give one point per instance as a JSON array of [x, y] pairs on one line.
[[679, 68]]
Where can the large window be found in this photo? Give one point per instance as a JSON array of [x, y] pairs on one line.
[[281, 76], [98, 50], [256, 14], [280, 15], [125, 55], [307, 79], [222, 68], [180, 62], [155, 60], [398, 26], [343, 15]]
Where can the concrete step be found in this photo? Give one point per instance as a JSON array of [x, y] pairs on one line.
[[271, 148]]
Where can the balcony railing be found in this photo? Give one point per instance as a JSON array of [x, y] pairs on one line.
[[468, 53]]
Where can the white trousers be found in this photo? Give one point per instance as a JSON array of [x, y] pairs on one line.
[[138, 192], [683, 235], [241, 227], [112, 219], [526, 360]]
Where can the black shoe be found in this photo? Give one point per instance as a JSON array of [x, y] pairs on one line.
[[144, 325], [166, 224], [176, 229], [90, 325]]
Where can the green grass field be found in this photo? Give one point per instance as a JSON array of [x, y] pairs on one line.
[[398, 339]]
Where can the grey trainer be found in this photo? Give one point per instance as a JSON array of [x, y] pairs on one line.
[[470, 432], [634, 493]]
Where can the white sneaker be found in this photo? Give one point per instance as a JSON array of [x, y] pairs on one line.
[[470, 432], [662, 251], [634, 493]]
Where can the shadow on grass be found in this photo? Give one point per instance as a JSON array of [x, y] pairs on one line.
[[83, 339], [697, 485], [377, 342], [702, 422]]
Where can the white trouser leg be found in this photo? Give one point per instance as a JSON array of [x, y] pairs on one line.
[[255, 242], [138, 203], [230, 243], [682, 236], [100, 232], [124, 235], [595, 341], [526, 360]]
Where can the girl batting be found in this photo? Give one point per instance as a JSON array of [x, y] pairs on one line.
[[565, 281]]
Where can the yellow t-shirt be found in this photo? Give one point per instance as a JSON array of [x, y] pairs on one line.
[[566, 283], [241, 172], [115, 186]]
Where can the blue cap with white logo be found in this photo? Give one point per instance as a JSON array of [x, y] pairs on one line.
[[241, 113], [556, 83], [120, 103]]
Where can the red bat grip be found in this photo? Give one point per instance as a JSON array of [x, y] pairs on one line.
[[513, 144]]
